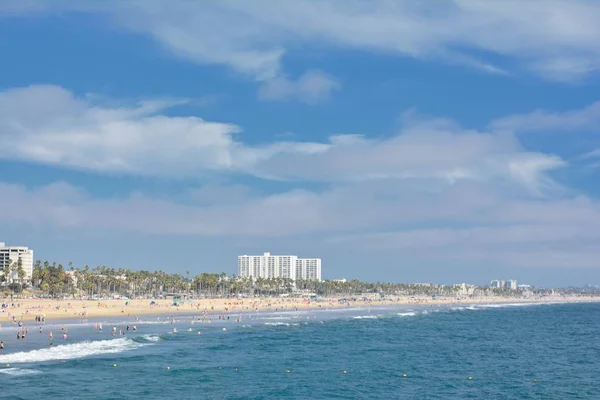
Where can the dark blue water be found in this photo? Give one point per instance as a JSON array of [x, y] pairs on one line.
[[510, 352]]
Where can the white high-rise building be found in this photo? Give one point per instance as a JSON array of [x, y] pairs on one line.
[[308, 268], [12, 254], [272, 266]]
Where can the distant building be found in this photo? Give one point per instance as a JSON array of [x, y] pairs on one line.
[[271, 266], [12, 254], [509, 284], [343, 280], [465, 289]]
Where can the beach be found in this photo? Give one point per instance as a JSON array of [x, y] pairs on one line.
[[51, 309]]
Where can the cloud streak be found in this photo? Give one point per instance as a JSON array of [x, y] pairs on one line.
[[253, 37]]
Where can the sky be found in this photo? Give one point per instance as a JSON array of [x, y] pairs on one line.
[[440, 141]]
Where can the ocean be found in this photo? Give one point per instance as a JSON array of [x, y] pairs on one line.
[[518, 351]]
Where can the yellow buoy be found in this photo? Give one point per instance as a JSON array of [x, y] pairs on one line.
[[7, 365], [404, 375], [470, 378], [114, 365], [344, 372]]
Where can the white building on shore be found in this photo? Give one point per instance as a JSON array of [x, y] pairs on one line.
[[509, 284], [12, 254], [272, 266]]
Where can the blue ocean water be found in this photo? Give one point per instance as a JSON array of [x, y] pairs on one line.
[[509, 351]]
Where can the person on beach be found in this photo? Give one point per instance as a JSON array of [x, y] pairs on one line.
[[1, 345]]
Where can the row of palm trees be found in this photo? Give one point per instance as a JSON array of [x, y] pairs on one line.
[[55, 280]]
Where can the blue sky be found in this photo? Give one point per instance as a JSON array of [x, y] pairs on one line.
[[444, 141]]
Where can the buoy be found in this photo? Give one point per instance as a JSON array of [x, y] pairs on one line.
[[114, 365], [287, 371], [404, 375], [344, 372], [470, 378], [168, 368], [7, 365]]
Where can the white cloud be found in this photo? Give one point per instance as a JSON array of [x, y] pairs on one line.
[[312, 87], [424, 220], [586, 119], [557, 40], [592, 154], [47, 124]]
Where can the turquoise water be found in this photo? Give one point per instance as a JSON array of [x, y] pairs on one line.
[[511, 352]]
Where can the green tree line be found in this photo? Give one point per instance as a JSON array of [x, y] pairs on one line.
[[54, 280]]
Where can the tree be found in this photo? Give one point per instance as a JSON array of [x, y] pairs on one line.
[[20, 271]]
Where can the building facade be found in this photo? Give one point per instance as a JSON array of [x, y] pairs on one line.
[[270, 266], [12, 254], [308, 269], [509, 284]]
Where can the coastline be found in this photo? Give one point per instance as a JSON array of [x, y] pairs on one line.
[[51, 310]]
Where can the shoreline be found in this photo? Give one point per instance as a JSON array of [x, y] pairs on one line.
[[52, 310]]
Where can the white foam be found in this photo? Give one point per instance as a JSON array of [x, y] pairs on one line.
[[19, 371], [280, 324], [365, 317], [72, 351], [507, 305], [151, 337], [407, 314]]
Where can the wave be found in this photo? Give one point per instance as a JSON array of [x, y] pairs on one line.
[[508, 305], [19, 371], [365, 317], [150, 337], [407, 314], [72, 351], [280, 324]]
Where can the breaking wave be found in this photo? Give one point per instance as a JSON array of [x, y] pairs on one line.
[[19, 371], [407, 314], [72, 351]]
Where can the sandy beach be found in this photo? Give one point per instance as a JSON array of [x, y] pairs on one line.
[[28, 309]]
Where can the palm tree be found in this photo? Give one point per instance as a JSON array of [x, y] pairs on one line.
[[20, 271]]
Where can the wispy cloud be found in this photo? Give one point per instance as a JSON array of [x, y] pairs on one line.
[[253, 37], [586, 119], [312, 87]]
